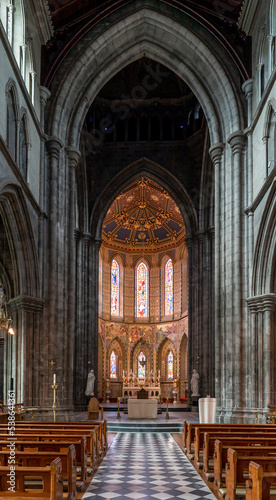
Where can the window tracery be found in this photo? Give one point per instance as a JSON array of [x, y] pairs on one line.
[[113, 365], [170, 366], [115, 288], [142, 278], [169, 288], [142, 365]]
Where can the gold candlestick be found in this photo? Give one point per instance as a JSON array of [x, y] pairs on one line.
[[118, 414], [167, 412], [54, 387]]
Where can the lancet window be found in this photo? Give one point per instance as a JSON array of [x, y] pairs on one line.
[[142, 286], [141, 365], [170, 366], [169, 288], [115, 288], [113, 365]]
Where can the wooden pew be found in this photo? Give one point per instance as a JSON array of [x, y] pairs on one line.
[[236, 468], [188, 433], [102, 426], [51, 428], [57, 436], [212, 451], [55, 447], [258, 486], [246, 446], [51, 477], [45, 458], [201, 442]]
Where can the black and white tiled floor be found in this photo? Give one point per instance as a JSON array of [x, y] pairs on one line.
[[146, 466]]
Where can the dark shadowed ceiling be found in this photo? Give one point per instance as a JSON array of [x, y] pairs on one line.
[[73, 18]]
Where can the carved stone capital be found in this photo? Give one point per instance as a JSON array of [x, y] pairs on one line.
[[73, 156], [237, 141], [262, 303], [54, 145], [247, 87], [216, 152], [26, 303], [45, 95]]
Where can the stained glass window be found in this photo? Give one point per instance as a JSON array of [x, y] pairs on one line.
[[115, 291], [170, 365], [142, 291], [141, 365], [113, 365], [169, 288]]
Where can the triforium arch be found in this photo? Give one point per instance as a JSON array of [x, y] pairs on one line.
[[25, 303]]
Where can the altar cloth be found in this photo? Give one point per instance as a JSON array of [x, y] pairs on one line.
[[142, 408]]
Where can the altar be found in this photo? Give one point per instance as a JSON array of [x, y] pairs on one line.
[[132, 385], [142, 408]]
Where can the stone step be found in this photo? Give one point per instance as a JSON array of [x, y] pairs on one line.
[[144, 427]]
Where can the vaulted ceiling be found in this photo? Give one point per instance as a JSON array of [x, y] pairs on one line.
[[143, 218], [73, 18]]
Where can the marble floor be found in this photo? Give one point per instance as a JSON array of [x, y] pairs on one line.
[[146, 466]]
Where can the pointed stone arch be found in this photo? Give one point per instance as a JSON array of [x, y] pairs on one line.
[[145, 32], [141, 345]]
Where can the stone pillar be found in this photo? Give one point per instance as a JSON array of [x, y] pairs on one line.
[[237, 143], [23, 60], [73, 156], [263, 367], [270, 61], [53, 338], [216, 152], [26, 313], [33, 80]]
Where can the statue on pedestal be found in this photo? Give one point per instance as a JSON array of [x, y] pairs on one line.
[[90, 384], [195, 383]]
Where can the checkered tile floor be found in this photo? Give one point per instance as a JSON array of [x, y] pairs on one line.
[[144, 466]]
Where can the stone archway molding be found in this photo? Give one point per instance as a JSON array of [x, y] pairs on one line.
[[145, 33]]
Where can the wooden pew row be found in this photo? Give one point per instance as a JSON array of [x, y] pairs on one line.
[[56, 448], [188, 433], [258, 486], [237, 467], [51, 477], [71, 425], [53, 429], [43, 435], [201, 441], [44, 459], [248, 449]]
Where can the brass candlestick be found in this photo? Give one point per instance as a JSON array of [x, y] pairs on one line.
[[118, 413], [54, 387], [167, 412]]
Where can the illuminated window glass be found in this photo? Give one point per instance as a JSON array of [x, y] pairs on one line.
[[169, 288], [115, 291], [113, 365], [142, 291], [141, 365], [170, 365]]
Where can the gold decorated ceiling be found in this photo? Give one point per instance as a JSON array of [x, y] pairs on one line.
[[143, 217]]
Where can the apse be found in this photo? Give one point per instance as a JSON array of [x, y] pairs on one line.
[[143, 294]]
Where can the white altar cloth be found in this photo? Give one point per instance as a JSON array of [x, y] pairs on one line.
[[142, 408]]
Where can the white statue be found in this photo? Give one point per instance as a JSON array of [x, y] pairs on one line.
[[90, 384], [195, 383]]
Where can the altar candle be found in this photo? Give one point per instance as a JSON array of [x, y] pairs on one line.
[[54, 380]]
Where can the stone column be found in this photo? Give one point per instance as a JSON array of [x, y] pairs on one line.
[[10, 22], [26, 313], [53, 338], [73, 156], [23, 60], [216, 152], [237, 143], [263, 367], [33, 80], [270, 62]]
